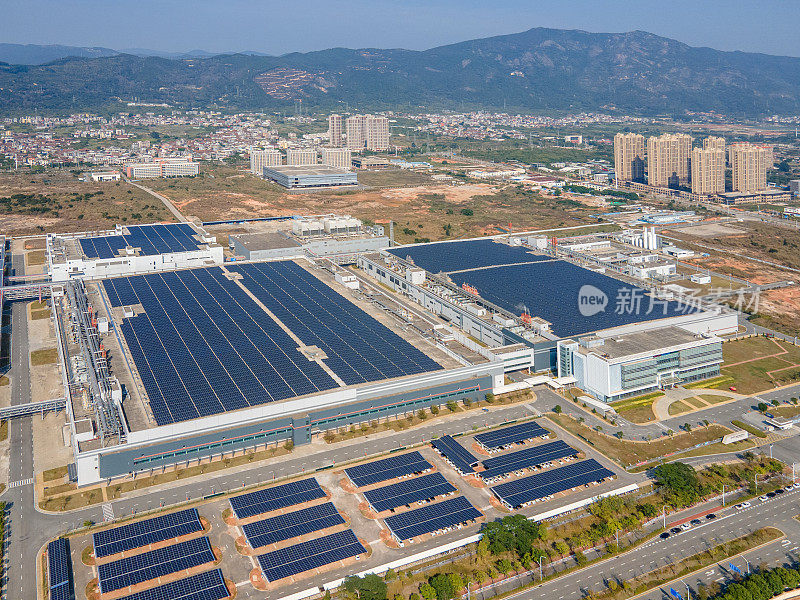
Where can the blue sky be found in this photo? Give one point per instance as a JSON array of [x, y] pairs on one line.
[[768, 26]]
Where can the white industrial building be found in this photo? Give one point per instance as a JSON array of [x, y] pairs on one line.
[[615, 366]]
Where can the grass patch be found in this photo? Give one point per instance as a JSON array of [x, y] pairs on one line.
[[618, 588], [713, 383], [695, 403], [40, 314], [786, 412], [679, 407], [715, 398], [639, 414], [626, 452], [35, 257], [54, 473], [45, 356], [4, 380], [3, 430], [627, 403], [749, 428]]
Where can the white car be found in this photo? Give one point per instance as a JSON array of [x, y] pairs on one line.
[[742, 505], [788, 488], [763, 498], [796, 486], [686, 526]]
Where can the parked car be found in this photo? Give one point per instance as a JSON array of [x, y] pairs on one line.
[[675, 530], [686, 526], [664, 535], [763, 498], [696, 521], [711, 516], [743, 505]]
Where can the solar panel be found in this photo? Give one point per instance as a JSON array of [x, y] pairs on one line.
[[203, 586], [150, 239], [309, 555], [501, 466], [388, 468], [359, 348], [510, 435], [426, 487], [448, 257], [291, 525], [541, 485], [549, 289], [456, 454], [432, 518], [147, 566], [143, 533], [275, 498], [203, 346], [59, 570]]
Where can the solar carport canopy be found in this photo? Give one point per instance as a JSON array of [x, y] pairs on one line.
[[510, 435], [388, 468]]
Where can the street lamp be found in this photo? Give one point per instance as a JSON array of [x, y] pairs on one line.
[[541, 578], [688, 591], [723, 495], [748, 563]]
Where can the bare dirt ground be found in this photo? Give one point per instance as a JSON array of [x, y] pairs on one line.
[[56, 201], [710, 230]]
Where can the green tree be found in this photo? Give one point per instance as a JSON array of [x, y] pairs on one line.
[[369, 587], [679, 482], [557, 409], [452, 406], [762, 407], [427, 591]]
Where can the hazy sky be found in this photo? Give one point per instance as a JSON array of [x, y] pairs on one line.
[[769, 26]]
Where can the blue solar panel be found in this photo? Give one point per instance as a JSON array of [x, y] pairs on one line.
[[59, 570], [511, 435], [387, 468], [203, 586], [149, 531], [406, 492], [469, 254], [456, 454], [551, 290], [432, 518], [359, 348], [500, 466], [541, 485], [151, 565], [274, 498], [309, 555], [150, 239], [203, 346], [291, 525]]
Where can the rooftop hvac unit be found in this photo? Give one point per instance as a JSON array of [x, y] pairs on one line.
[[336, 225]]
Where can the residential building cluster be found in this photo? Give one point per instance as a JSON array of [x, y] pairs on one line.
[[671, 161], [359, 132]]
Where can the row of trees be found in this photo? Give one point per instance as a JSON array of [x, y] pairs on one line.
[[761, 585]]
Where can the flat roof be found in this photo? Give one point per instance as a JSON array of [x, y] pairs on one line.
[[270, 240], [301, 170], [641, 342]]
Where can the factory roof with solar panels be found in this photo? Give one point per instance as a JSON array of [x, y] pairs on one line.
[[194, 353]]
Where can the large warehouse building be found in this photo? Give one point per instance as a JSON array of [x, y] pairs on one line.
[[192, 358]]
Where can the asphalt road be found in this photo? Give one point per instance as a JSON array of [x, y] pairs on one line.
[[777, 512]]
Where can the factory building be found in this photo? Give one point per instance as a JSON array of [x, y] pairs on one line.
[[163, 167], [619, 366], [310, 176]]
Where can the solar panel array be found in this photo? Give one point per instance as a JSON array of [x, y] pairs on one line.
[[143, 533], [432, 518], [275, 498], [405, 492], [540, 485], [359, 347], [154, 564], [151, 239], [469, 254], [501, 466], [549, 289], [387, 468], [203, 586], [203, 346], [309, 555], [458, 456], [510, 435], [59, 569], [291, 525]]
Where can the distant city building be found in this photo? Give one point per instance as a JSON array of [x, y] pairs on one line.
[[335, 130], [708, 169], [794, 187], [573, 139], [102, 176], [367, 131], [337, 157], [668, 158], [299, 157], [628, 148], [308, 176], [163, 167], [749, 163], [714, 142], [264, 158]]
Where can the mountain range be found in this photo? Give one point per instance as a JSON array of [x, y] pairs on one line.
[[539, 69]]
